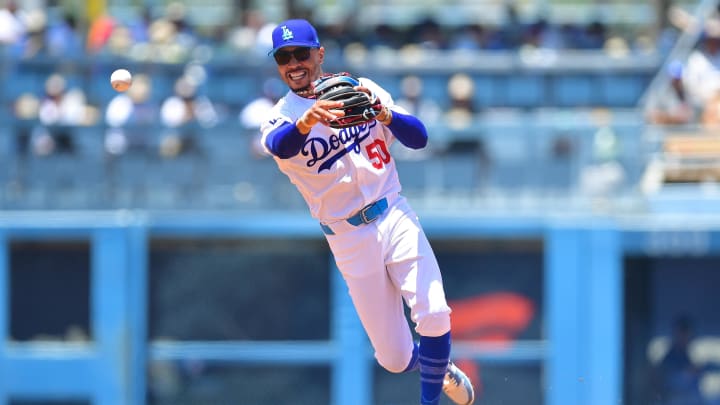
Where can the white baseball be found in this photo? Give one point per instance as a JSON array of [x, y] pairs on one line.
[[121, 79]]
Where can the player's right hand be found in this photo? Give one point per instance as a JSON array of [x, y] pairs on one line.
[[321, 112]]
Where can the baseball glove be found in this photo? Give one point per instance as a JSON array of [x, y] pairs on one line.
[[359, 107]]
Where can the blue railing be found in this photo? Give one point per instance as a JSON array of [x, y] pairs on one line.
[[583, 289], [541, 154]]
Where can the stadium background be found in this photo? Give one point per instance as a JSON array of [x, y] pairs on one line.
[[154, 261]]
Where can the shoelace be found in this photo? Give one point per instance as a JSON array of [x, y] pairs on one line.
[[454, 380]]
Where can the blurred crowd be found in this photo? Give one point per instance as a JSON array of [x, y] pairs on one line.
[[169, 35], [44, 121], [165, 120]]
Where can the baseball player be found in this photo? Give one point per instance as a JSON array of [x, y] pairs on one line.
[[349, 181]]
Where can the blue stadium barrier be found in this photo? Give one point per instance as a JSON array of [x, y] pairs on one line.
[[581, 355]]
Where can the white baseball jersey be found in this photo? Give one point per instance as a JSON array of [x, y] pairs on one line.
[[338, 171], [385, 262]]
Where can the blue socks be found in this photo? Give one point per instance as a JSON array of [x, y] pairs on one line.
[[433, 356]]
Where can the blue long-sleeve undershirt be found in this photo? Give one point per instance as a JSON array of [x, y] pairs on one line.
[[409, 130], [286, 140]]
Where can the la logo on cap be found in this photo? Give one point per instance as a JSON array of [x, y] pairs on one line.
[[287, 34]]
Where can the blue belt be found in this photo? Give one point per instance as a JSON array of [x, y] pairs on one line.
[[366, 215]]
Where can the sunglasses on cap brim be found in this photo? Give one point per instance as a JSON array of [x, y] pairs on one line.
[[301, 54]]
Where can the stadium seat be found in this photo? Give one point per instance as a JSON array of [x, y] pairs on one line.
[[575, 90]]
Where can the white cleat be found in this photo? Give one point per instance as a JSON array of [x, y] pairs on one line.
[[457, 386]]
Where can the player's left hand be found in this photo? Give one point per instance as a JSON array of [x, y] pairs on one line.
[[382, 113]]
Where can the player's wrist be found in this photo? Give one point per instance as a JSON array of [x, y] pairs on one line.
[[303, 126], [385, 116]]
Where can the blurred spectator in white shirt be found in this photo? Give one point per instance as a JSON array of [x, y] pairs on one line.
[[181, 114], [252, 115], [12, 28], [60, 109], [253, 34], [703, 68], [130, 117], [462, 109], [412, 99], [671, 105]]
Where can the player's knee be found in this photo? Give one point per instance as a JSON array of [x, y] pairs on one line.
[[395, 363], [436, 324]]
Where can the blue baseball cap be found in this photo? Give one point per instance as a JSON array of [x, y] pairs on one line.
[[294, 33]]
